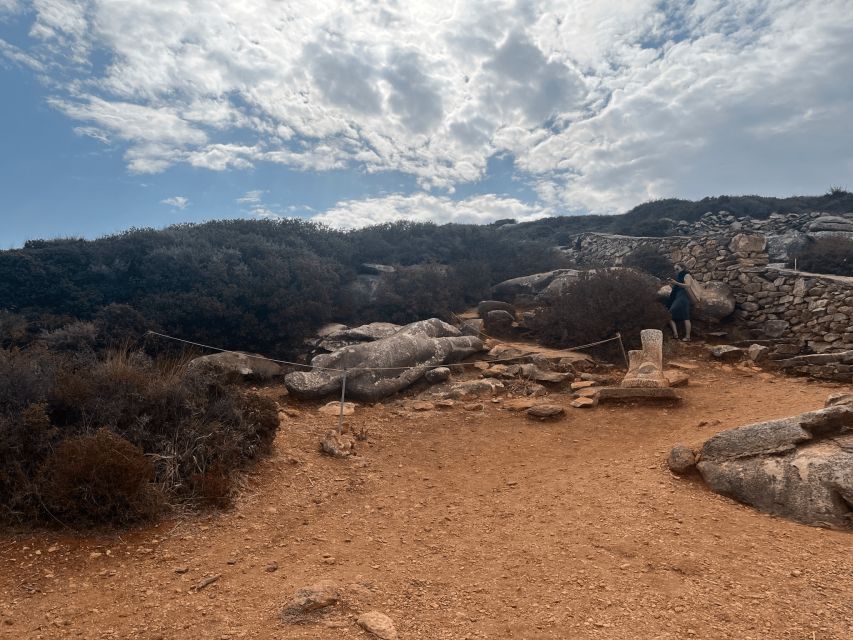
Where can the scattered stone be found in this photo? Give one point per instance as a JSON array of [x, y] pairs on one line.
[[583, 384], [207, 582], [181, 570], [689, 366], [378, 624], [334, 409], [420, 405], [676, 378], [439, 374], [681, 459], [546, 411], [758, 352], [588, 392], [272, 567], [338, 445], [307, 599], [583, 403], [726, 353], [594, 377], [520, 404], [445, 404], [474, 406], [499, 323], [476, 388]]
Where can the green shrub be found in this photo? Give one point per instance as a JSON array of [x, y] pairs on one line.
[[598, 305], [831, 254]]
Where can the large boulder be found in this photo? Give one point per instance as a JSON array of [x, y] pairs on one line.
[[499, 323], [246, 365], [528, 287], [717, 303], [494, 305], [748, 243], [799, 467], [782, 247], [383, 367]]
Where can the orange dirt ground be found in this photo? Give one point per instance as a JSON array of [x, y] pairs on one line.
[[464, 525]]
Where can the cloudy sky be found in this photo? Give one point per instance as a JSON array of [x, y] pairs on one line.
[[120, 113]]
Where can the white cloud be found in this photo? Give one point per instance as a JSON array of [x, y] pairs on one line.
[[602, 103], [178, 202], [422, 207]]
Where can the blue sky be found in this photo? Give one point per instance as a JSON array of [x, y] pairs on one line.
[[133, 113]]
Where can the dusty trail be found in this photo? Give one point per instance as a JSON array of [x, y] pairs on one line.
[[465, 525]]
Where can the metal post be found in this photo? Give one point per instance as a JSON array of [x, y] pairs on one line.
[[341, 412], [622, 346]]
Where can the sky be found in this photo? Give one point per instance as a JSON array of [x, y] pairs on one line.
[[144, 113]]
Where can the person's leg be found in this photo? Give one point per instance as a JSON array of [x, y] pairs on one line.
[[687, 328], [674, 328]]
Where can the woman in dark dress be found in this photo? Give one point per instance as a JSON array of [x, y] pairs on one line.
[[679, 302]]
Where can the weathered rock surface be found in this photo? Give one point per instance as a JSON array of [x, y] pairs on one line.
[[313, 598], [528, 287], [498, 323], [380, 368], [494, 305], [378, 624], [546, 411], [726, 352], [439, 374], [334, 409], [681, 459], [758, 352], [799, 467], [338, 445], [717, 303], [469, 388], [246, 365]]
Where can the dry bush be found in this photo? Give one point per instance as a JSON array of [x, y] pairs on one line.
[[832, 254], [598, 305], [194, 429], [98, 478]]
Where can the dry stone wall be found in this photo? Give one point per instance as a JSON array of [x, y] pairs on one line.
[[803, 313]]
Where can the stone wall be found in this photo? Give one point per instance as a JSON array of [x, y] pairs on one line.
[[801, 312]]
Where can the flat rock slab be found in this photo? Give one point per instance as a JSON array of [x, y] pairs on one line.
[[546, 411], [676, 378], [584, 403], [626, 394]]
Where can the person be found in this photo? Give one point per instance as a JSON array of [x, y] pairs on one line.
[[679, 303]]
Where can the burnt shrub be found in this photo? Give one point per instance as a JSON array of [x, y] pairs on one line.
[[98, 478], [61, 414], [648, 259], [832, 254], [596, 306]]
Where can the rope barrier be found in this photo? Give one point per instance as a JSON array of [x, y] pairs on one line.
[[344, 371]]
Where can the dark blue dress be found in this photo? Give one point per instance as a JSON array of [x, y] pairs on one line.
[[679, 301]]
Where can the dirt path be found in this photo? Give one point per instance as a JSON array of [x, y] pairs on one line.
[[465, 525]]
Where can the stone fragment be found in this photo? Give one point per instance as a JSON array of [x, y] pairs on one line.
[[439, 374], [378, 624], [758, 352], [583, 403], [546, 411], [726, 353], [334, 409], [676, 378], [520, 404], [474, 406], [681, 459], [421, 405], [494, 305], [582, 384], [321, 595], [338, 445], [476, 388]]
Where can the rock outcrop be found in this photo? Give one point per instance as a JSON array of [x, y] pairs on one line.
[[380, 368], [524, 290], [245, 365], [799, 467]]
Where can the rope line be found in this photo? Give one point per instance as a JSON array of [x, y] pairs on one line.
[[351, 369]]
